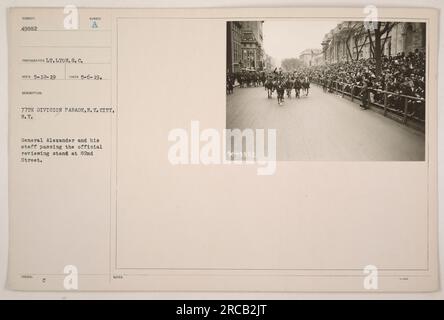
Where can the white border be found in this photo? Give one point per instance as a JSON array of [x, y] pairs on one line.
[[7, 294]]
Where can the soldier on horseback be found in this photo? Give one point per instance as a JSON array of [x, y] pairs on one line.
[[289, 85], [306, 85], [269, 85], [280, 89], [298, 87]]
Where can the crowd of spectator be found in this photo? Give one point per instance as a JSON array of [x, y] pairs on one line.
[[401, 75]]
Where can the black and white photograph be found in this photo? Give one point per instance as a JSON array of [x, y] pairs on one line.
[[333, 90], [238, 152]]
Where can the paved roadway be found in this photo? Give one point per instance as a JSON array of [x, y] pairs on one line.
[[324, 126]]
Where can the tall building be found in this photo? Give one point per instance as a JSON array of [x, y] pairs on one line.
[[350, 41], [310, 57], [252, 45], [234, 47]]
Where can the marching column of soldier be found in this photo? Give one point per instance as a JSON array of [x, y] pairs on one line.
[[283, 83], [399, 86]]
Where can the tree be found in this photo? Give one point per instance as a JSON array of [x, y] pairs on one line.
[[359, 45], [355, 31], [377, 43], [291, 64]]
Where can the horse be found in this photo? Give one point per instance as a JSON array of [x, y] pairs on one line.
[[306, 85], [289, 86], [229, 86], [240, 80], [269, 86], [297, 88], [230, 83], [280, 89], [262, 79]]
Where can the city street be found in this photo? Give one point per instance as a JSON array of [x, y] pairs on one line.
[[324, 126]]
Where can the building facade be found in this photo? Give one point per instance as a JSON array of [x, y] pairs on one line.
[[311, 57], [269, 62], [351, 41], [234, 47], [318, 59], [252, 45], [245, 46]]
